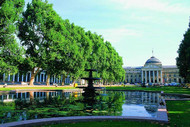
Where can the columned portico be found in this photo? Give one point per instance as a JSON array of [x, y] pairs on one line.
[[148, 76], [152, 71], [145, 77], [157, 77]]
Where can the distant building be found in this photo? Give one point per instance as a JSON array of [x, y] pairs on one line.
[[40, 78], [153, 72]]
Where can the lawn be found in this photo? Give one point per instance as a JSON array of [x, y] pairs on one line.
[[166, 89], [21, 88]]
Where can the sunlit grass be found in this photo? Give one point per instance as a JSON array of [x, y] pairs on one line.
[[21, 88], [165, 89]]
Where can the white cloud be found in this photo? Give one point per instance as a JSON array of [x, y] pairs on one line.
[[118, 34], [153, 5]]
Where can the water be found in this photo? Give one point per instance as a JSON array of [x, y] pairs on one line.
[[24, 105]]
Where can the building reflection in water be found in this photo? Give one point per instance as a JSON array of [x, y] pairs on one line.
[[41, 95], [144, 104]]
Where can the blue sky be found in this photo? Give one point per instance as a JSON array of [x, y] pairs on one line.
[[134, 27]]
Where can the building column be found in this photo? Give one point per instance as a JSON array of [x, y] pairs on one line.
[[4, 77], [13, 77], [18, 77], [157, 77], [153, 77], [44, 77], [149, 77], [142, 77], [26, 77], [145, 77], [37, 78], [161, 76], [40, 77], [9, 77], [54, 79]]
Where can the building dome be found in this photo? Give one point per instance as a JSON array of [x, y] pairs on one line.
[[153, 60]]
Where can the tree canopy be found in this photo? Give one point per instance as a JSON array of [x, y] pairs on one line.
[[61, 48], [183, 59], [10, 51]]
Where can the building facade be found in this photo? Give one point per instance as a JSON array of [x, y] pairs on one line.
[[153, 72], [40, 78]]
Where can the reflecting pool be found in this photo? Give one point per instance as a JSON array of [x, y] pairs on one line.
[[25, 105]]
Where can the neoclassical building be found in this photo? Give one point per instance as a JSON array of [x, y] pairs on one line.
[[153, 72], [39, 79]]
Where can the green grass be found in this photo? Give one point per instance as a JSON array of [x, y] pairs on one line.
[[179, 114], [21, 88], [166, 89]]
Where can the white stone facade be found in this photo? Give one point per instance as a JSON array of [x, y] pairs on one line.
[[153, 72]]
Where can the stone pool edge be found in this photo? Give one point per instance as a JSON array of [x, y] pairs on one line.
[[162, 117]]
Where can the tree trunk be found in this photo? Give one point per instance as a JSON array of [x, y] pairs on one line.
[[63, 80], [31, 94], [73, 83], [31, 83], [48, 80]]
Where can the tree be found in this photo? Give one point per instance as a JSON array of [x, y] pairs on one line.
[[40, 31], [183, 59], [80, 49], [10, 51], [105, 59]]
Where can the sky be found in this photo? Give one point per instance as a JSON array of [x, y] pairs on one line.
[[134, 27]]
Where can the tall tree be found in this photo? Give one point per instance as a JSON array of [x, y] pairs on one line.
[[39, 32], [80, 49], [183, 59], [10, 51]]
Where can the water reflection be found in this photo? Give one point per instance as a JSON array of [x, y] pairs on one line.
[[24, 105]]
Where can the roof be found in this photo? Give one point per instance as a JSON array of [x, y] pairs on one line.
[[169, 66], [153, 60], [139, 67]]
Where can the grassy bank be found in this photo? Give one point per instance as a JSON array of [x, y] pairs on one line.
[[166, 89], [22, 88], [179, 114]]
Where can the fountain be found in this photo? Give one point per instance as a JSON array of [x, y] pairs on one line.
[[90, 80], [90, 91]]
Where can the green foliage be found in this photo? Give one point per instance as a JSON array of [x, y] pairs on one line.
[[105, 59], [183, 59], [53, 44], [10, 51], [37, 33]]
